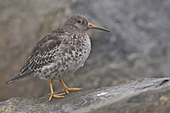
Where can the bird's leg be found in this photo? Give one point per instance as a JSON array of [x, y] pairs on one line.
[[52, 91], [66, 89]]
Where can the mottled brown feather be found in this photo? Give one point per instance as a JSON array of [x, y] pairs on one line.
[[61, 52], [41, 55]]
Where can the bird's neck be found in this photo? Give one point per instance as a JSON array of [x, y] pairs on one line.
[[68, 31], [72, 29]]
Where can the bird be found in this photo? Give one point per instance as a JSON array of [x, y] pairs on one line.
[[60, 53]]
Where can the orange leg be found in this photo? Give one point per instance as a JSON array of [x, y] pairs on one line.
[[66, 89], [52, 91]]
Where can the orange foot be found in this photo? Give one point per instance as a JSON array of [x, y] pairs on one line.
[[56, 96], [66, 89]]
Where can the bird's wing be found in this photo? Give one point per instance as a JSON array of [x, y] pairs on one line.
[[41, 55]]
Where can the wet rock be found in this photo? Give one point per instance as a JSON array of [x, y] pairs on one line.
[[143, 95]]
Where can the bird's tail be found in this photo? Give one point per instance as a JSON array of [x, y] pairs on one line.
[[15, 78]]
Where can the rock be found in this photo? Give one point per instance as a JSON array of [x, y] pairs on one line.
[[142, 95], [137, 46]]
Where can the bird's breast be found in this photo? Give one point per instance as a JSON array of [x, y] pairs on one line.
[[78, 51], [69, 56], [74, 53]]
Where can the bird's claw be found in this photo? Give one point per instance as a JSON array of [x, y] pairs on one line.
[[57, 96], [71, 89]]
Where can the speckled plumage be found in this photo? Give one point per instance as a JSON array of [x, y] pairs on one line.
[[60, 53], [66, 58]]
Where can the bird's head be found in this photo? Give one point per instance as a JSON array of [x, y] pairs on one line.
[[80, 23]]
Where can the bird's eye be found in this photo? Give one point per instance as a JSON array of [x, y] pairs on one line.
[[78, 21]]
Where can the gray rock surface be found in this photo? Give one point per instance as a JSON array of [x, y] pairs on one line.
[[140, 96]]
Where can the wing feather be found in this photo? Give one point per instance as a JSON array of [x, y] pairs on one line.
[[42, 54]]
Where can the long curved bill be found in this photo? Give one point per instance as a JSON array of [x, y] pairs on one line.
[[92, 26]]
